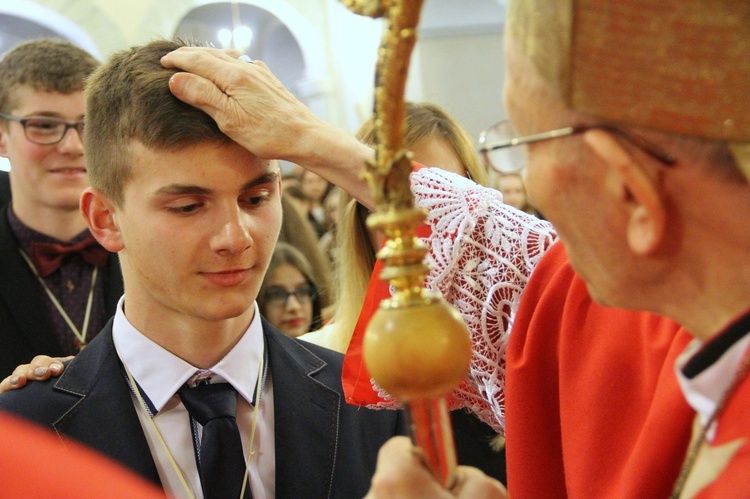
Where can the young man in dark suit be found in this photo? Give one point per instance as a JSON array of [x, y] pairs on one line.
[[194, 218], [58, 286]]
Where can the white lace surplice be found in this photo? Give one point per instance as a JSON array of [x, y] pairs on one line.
[[482, 253]]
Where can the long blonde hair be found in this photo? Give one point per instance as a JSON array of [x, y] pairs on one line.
[[356, 254]]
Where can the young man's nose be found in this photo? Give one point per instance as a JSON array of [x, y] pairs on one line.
[[71, 143], [233, 235]]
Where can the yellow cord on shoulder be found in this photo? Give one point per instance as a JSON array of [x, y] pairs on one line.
[[251, 452]]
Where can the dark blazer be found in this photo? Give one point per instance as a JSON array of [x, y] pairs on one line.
[[25, 328], [4, 188], [324, 447]]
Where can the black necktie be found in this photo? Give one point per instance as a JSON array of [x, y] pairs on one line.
[[221, 461]]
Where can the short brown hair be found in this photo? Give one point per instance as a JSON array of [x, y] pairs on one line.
[[46, 65], [128, 100]]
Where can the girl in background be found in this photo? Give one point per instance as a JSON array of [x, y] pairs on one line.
[[288, 297], [315, 189], [513, 189]]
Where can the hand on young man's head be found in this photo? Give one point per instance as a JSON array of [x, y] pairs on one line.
[[253, 108], [247, 101]]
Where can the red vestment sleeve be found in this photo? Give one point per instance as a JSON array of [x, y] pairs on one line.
[[34, 462]]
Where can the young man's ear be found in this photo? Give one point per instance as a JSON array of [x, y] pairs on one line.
[[99, 212], [3, 141], [647, 216]]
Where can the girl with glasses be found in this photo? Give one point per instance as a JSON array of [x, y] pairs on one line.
[[288, 298]]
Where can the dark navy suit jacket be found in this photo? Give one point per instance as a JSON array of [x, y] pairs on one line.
[[25, 328], [324, 447], [4, 187]]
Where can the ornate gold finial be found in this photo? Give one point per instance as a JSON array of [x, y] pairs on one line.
[[741, 153], [417, 346]]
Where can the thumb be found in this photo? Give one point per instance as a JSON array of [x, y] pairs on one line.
[[473, 483]]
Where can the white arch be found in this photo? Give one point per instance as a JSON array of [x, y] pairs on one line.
[[309, 41], [53, 21]]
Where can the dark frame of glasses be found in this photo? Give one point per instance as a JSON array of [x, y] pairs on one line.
[[77, 125], [646, 146], [273, 294]]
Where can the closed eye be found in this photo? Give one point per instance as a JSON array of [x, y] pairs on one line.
[[185, 209], [44, 125], [255, 199]]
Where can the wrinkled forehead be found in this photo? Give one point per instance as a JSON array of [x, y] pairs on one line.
[[673, 65]]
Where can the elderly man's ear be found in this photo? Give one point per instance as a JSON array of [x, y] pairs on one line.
[[638, 191]]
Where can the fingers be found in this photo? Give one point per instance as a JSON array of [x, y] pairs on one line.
[[209, 74], [11, 383], [206, 62], [40, 368], [471, 483], [198, 59], [254, 109], [247, 101], [215, 82], [401, 473], [199, 92]]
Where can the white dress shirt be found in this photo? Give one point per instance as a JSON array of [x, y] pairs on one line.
[[704, 391], [159, 374]]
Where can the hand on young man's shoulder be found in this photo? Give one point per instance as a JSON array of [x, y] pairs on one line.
[[40, 368]]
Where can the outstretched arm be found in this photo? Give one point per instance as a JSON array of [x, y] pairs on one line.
[[255, 110]]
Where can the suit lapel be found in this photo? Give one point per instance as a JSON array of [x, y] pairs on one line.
[[21, 295], [104, 416], [306, 418]]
